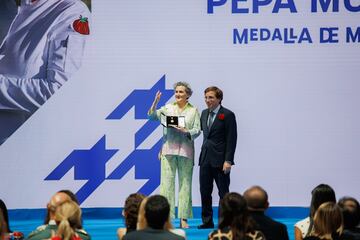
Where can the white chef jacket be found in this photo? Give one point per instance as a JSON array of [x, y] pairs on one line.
[[40, 52]]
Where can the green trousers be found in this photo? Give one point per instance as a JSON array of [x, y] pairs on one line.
[[169, 165]]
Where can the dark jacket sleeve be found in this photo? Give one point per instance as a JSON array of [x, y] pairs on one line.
[[231, 137]]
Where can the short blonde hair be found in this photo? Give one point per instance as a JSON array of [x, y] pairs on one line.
[[328, 219]]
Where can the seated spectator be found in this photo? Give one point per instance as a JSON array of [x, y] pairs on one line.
[[130, 213], [142, 223], [45, 231], [257, 201], [67, 217], [5, 232], [235, 221], [5, 226], [71, 196], [2, 226], [320, 194], [328, 223], [351, 213], [153, 221]]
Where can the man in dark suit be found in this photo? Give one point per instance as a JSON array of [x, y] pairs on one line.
[[157, 211], [217, 152], [257, 200]]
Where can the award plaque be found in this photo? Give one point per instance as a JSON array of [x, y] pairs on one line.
[[170, 121]]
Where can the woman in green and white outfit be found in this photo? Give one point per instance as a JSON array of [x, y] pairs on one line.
[[177, 153]]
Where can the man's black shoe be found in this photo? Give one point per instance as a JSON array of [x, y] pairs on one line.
[[206, 226]]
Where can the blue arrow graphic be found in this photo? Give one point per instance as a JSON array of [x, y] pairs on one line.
[[142, 100], [88, 165], [146, 162], [147, 166]]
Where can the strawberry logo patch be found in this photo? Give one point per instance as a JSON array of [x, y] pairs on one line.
[[81, 25]]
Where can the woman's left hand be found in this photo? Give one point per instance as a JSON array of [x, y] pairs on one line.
[[181, 129]]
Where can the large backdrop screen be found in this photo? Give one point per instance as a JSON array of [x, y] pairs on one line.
[[289, 71]]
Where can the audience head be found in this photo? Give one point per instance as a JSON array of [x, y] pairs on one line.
[[71, 195], [256, 198], [67, 217], [351, 212], [328, 220], [157, 212], [57, 199], [321, 194], [142, 222], [2, 225], [234, 213], [5, 217], [73, 198], [131, 209]]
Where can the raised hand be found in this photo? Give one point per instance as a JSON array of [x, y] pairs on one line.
[[156, 101], [157, 97]]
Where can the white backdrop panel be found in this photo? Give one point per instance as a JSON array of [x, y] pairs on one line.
[[296, 104]]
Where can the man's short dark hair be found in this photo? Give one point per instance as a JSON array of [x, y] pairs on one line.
[[218, 92], [351, 213], [157, 211], [71, 195], [256, 198]]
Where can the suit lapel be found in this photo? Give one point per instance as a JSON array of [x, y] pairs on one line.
[[204, 121]]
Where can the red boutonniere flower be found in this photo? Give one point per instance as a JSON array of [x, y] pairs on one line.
[[221, 116], [18, 235]]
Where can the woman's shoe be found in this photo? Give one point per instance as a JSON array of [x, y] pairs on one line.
[[184, 223]]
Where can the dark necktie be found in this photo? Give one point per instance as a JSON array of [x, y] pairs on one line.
[[211, 119]]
